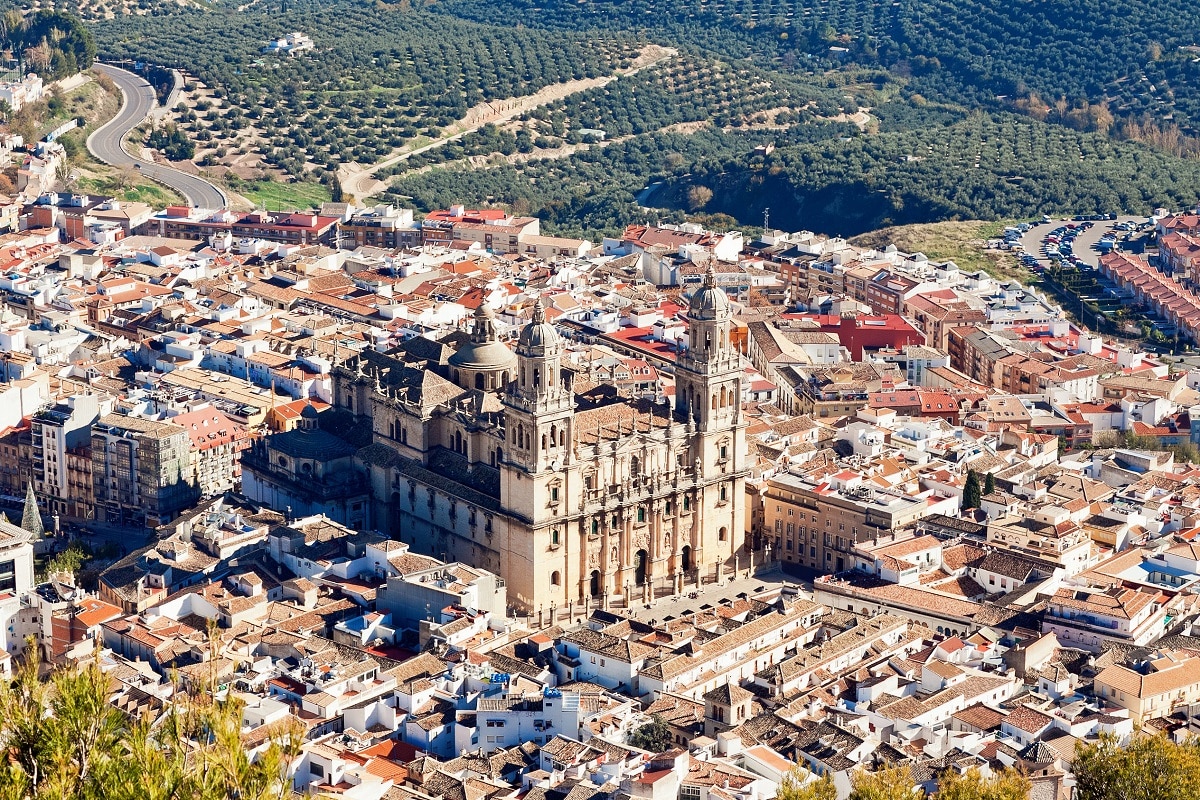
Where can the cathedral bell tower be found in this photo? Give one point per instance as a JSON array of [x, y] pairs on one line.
[[708, 385], [538, 406], [708, 378]]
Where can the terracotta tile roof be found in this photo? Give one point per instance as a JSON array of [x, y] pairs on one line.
[[1169, 679], [980, 716], [1028, 720]]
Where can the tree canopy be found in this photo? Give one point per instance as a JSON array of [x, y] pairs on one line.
[[53, 44], [796, 787], [1148, 768], [972, 494], [65, 740], [654, 736]]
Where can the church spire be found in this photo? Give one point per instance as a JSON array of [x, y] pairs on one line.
[[31, 520]]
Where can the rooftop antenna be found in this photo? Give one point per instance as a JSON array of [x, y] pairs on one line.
[[766, 220]]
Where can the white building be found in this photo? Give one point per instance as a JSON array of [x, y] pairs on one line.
[[19, 93], [16, 579]]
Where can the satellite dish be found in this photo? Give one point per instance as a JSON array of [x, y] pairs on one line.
[[554, 465]]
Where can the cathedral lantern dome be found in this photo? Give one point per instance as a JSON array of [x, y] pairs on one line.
[[539, 338], [484, 362], [709, 301]]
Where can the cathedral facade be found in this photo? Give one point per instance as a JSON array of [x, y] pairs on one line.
[[569, 491]]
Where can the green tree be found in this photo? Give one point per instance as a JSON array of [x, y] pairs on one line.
[[61, 735], [1148, 768], [989, 484], [1186, 452], [889, 783], [68, 561], [54, 43], [336, 193], [654, 736], [794, 787], [65, 740], [972, 785], [972, 494]]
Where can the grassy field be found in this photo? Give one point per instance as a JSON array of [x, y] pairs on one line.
[[962, 242], [103, 181], [153, 194], [284, 196]]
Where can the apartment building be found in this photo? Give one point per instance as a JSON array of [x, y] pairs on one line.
[[60, 454], [1086, 618], [818, 522], [217, 443], [839, 390], [141, 470], [381, 226], [16, 579], [938, 313], [977, 353], [494, 229], [183, 222]]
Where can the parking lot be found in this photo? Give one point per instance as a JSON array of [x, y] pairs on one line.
[[1082, 235], [1078, 242]]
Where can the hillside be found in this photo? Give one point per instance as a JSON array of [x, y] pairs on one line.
[[878, 112]]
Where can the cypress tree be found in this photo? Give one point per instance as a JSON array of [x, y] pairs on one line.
[[972, 492]]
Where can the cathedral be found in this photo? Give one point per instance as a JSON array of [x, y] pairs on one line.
[[571, 492]]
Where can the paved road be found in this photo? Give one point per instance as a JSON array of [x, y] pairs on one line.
[[107, 143]]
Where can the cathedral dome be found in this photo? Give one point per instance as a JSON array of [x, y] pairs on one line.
[[539, 336], [485, 351], [483, 356], [710, 301]]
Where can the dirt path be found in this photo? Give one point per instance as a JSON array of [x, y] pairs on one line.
[[358, 180], [563, 151]]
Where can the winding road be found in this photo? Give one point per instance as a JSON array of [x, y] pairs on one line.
[[107, 143]]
